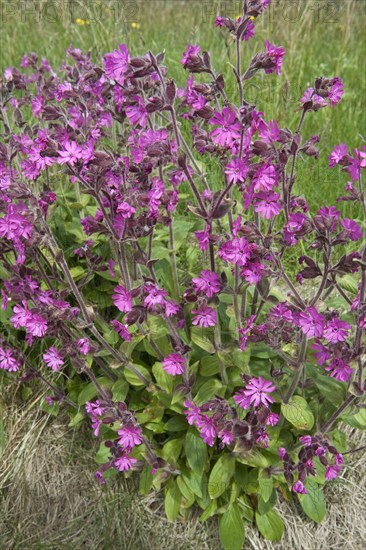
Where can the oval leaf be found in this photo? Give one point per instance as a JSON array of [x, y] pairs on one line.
[[221, 475], [298, 413], [270, 525], [231, 529]]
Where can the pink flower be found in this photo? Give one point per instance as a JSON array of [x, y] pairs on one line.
[[126, 210], [7, 360], [275, 55], [272, 419], [21, 315], [193, 413], [282, 452], [336, 331], [155, 297], [53, 359], [36, 325], [257, 390], [203, 239], [236, 170], [355, 164], [71, 154], [268, 205], [95, 409], [339, 370], [174, 364], [298, 487], [336, 91], [249, 31], [130, 436], [265, 178], [122, 299], [204, 317], [311, 322], [121, 330], [208, 283], [137, 114], [228, 127], [237, 251], [352, 229], [322, 353], [207, 429], [332, 471], [306, 440], [338, 153], [84, 346], [125, 463], [191, 50], [116, 63], [242, 400]]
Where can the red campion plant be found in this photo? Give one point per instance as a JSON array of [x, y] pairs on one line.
[[154, 298]]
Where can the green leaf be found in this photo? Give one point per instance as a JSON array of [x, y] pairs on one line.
[[209, 511], [298, 413], [172, 449], [264, 507], [207, 391], [349, 283], [76, 419], [270, 525], [133, 379], [265, 483], [120, 390], [164, 380], [176, 424], [196, 451], [146, 481], [199, 338], [231, 529], [221, 475], [313, 502], [209, 365], [77, 272], [172, 501]]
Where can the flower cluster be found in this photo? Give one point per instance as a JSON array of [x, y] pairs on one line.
[[312, 446]]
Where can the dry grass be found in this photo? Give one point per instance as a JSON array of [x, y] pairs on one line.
[[50, 500]]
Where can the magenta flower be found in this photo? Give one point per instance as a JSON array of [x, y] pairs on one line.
[[21, 315], [192, 412], [121, 330], [36, 325], [71, 153], [268, 205], [208, 283], [243, 401], [126, 210], [336, 331], [84, 346], [265, 178], [336, 91], [226, 436], [124, 463], [174, 364], [298, 487], [356, 163], [204, 317], [191, 50], [95, 409], [318, 102], [338, 153], [237, 251], [352, 229], [207, 429], [322, 354], [203, 239], [332, 471], [272, 419], [130, 436], [275, 55], [137, 114], [122, 299], [306, 440], [116, 63], [53, 359], [339, 370], [311, 323], [155, 297], [236, 170], [249, 31], [7, 360], [228, 127], [282, 452], [257, 390], [243, 332]]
